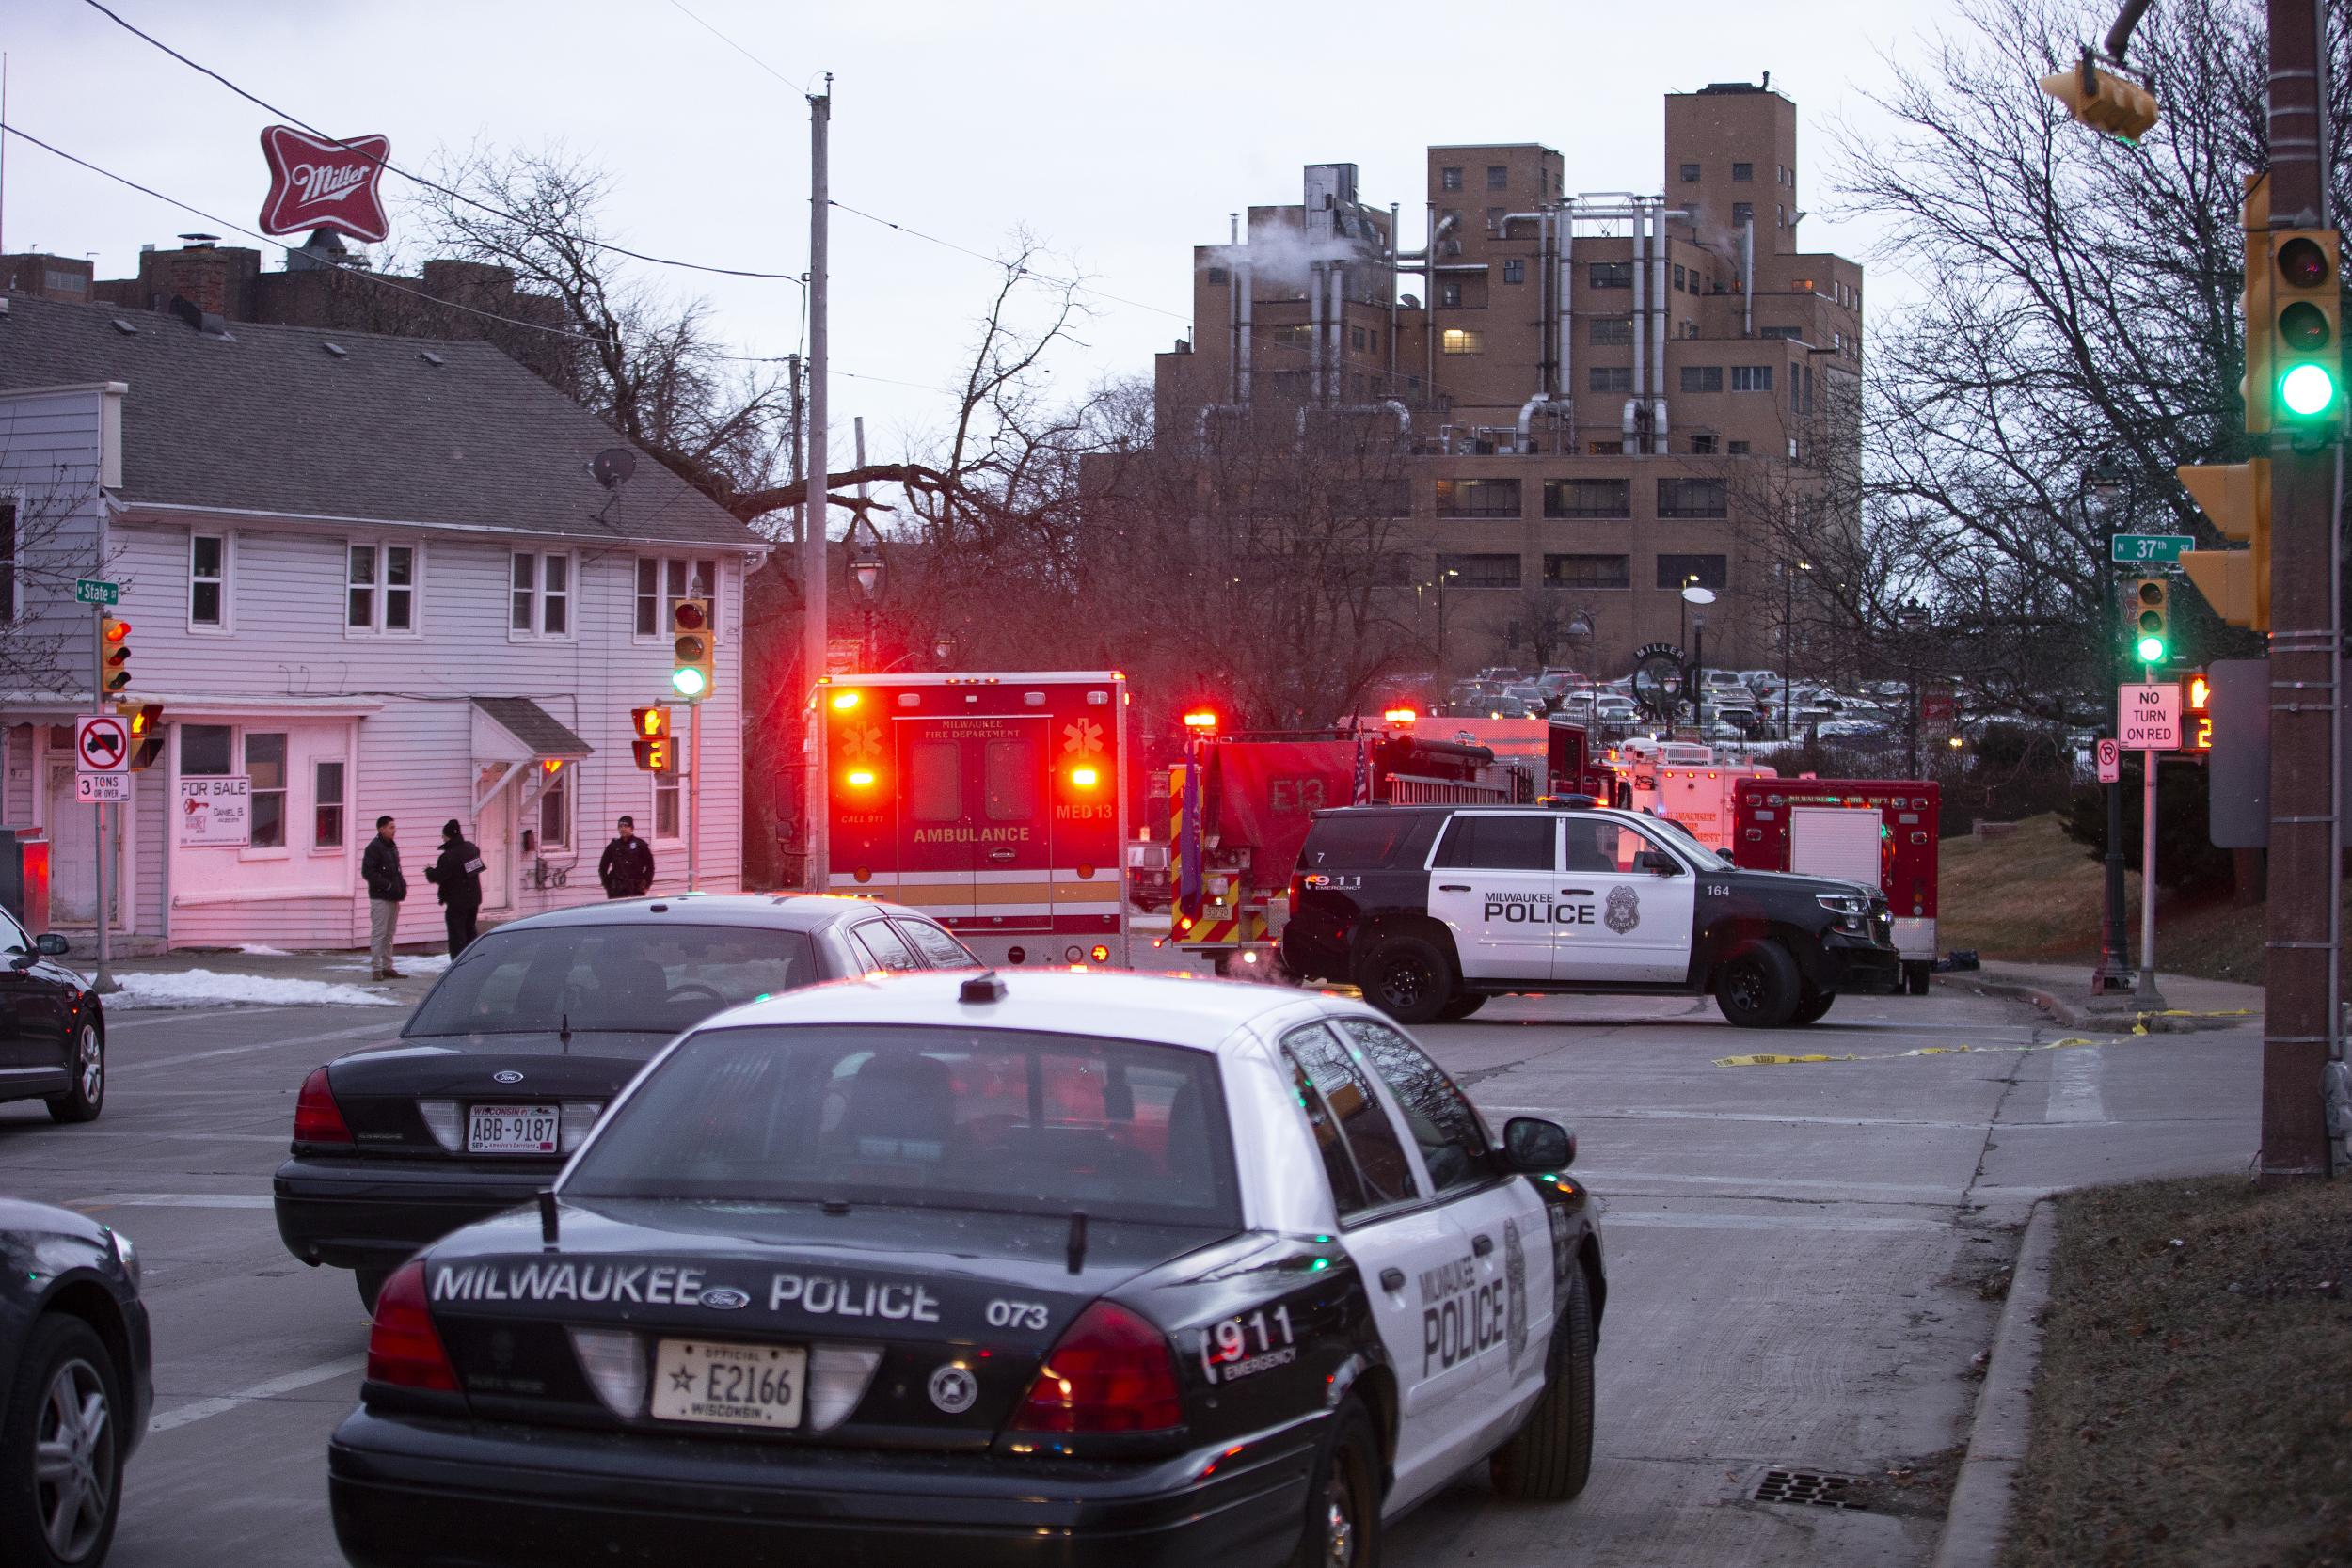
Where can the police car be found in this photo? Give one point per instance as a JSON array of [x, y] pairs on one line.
[[1433, 909], [1054, 1268]]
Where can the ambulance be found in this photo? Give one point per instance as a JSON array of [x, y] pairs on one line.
[[1880, 832], [996, 803], [1681, 781]]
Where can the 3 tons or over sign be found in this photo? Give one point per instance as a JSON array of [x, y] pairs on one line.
[[2148, 716]]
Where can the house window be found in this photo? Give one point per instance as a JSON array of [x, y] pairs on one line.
[[1450, 297], [1479, 571], [1449, 179], [204, 749], [1742, 213], [1743, 171], [1703, 446], [1609, 275], [1588, 498], [1609, 378], [1693, 571], [1702, 378], [1739, 449], [1219, 275], [1498, 177], [326, 820], [1604, 449], [541, 596], [666, 792], [1587, 571], [555, 811], [1457, 340], [1692, 498], [1689, 174], [1779, 332], [661, 583], [1680, 279], [1355, 339], [380, 588], [7, 559], [1751, 378], [208, 579], [266, 766], [1606, 331], [1514, 270], [1478, 497]]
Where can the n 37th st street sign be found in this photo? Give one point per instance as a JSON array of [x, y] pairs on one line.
[[2149, 549], [2148, 715]]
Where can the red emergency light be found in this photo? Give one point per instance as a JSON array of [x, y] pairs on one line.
[[1085, 778], [860, 778], [1400, 716], [1201, 718], [845, 700]]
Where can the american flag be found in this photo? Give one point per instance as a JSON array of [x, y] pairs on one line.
[[1363, 794]]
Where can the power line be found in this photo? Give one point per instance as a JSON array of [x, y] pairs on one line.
[[739, 48], [431, 185]]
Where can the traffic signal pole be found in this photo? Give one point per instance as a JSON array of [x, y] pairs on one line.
[[2302, 1028], [104, 981], [816, 498]]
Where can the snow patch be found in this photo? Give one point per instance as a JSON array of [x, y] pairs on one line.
[[407, 963], [259, 950], [205, 988]]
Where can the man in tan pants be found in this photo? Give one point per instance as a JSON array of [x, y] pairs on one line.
[[380, 869]]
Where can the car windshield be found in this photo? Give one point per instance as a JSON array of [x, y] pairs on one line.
[[643, 978], [993, 1119]]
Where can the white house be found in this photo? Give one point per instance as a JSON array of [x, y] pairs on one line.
[[366, 576]]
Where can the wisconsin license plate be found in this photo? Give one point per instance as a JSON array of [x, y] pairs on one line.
[[513, 1129], [731, 1385]]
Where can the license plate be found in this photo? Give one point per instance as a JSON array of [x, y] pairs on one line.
[[730, 1385], [513, 1129]]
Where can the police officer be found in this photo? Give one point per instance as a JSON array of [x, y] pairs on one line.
[[458, 875], [626, 869]]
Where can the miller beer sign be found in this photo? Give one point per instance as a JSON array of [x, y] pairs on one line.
[[317, 184]]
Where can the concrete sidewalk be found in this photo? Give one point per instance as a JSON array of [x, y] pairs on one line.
[[2063, 991], [220, 977]]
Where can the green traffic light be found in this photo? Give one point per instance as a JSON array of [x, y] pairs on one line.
[[2151, 650], [2308, 390], [686, 681]]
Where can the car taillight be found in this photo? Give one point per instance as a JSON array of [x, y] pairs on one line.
[[403, 1348], [317, 1119], [1111, 1371]]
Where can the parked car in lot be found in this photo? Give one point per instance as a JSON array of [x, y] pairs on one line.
[[77, 1379], [508, 1062], [1044, 1268]]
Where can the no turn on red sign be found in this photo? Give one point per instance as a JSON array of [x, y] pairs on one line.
[[102, 743], [2148, 715]]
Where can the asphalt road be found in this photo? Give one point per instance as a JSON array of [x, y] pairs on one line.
[[1792, 1251]]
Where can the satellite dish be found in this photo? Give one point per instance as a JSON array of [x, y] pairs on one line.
[[614, 466], [1698, 595]]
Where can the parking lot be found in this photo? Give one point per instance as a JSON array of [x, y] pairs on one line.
[[1799, 1256]]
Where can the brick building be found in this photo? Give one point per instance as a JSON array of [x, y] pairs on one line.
[[1613, 395]]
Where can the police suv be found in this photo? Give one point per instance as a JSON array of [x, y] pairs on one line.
[[1433, 909]]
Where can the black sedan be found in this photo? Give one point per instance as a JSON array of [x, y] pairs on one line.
[[53, 1037], [1045, 1268], [77, 1379], [509, 1060]]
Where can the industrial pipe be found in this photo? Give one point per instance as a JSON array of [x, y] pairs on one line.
[[1658, 339]]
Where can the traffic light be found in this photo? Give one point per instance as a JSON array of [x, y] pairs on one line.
[[2236, 496], [2104, 101], [2254, 305], [2147, 610], [113, 651], [655, 755], [649, 723], [146, 724], [2197, 713], [2305, 357], [696, 648]]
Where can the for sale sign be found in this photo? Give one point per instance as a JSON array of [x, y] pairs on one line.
[[2148, 716], [216, 812], [317, 184]]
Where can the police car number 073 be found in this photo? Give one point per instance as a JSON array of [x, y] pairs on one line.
[[1016, 1314]]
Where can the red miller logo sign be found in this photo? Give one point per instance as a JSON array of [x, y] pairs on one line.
[[316, 184]]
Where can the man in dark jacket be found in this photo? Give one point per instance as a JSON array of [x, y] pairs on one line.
[[626, 869], [380, 869], [458, 875]]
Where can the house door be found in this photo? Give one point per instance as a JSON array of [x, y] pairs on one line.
[[73, 853], [495, 834]]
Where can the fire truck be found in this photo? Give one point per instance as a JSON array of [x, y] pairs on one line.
[[1873, 831], [994, 803], [1678, 780]]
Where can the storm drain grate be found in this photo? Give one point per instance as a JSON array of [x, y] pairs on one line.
[[1808, 1486]]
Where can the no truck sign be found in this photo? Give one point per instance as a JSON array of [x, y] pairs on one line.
[[2148, 716]]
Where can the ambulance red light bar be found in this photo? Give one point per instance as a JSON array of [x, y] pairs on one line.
[[860, 778], [1400, 716], [845, 700], [1085, 778], [1201, 718]]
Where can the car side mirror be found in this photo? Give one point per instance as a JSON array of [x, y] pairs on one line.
[[49, 944], [1532, 1144], [1658, 864]]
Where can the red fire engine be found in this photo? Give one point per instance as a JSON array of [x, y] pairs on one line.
[[994, 803], [1882, 830]]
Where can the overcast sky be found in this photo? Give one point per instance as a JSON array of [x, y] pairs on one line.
[[1121, 133]]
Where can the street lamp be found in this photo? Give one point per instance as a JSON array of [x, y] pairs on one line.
[[1693, 595], [1788, 570], [865, 570], [944, 647], [1581, 625]]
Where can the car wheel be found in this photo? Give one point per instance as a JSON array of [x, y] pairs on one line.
[[1550, 1458], [1407, 977], [87, 1097], [1758, 987], [1916, 974], [370, 1283], [1342, 1525], [1812, 1007], [60, 1461], [1461, 1006]]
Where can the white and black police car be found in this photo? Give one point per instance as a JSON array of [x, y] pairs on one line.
[[1058, 1268], [1433, 909]]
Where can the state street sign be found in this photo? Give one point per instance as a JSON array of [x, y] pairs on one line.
[[2148, 716], [2149, 549], [95, 591]]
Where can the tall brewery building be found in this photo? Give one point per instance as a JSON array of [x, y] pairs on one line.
[[1612, 394]]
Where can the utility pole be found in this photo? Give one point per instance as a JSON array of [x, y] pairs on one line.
[[2301, 1029], [812, 524], [104, 981]]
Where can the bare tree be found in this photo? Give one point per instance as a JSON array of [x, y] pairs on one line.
[[48, 516]]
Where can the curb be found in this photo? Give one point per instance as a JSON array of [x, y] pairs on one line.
[[1978, 1520], [2074, 1015]]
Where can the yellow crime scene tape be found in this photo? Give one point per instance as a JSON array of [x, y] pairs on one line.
[[1768, 1060]]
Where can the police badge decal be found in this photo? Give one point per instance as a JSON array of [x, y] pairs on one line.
[[1624, 911]]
